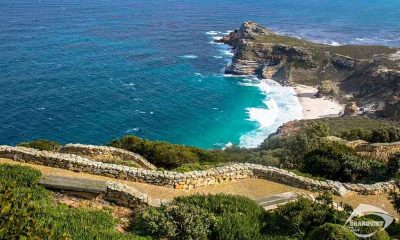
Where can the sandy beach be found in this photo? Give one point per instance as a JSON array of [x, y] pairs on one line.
[[314, 107]]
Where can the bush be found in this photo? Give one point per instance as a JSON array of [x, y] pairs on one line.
[[376, 135], [177, 221], [336, 161], [393, 164], [302, 216], [167, 155], [235, 217], [204, 217], [330, 231], [291, 149], [394, 198], [42, 145]]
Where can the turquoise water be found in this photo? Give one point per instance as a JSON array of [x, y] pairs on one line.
[[88, 71]]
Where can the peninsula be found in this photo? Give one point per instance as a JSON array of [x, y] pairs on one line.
[[365, 78]]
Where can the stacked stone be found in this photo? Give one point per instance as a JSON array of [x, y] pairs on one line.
[[107, 152], [188, 180], [130, 197]]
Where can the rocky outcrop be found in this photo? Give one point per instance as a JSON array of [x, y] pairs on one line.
[[105, 154], [368, 74], [188, 180]]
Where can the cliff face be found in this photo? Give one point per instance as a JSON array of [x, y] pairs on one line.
[[369, 75]]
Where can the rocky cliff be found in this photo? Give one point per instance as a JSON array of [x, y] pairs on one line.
[[368, 75]]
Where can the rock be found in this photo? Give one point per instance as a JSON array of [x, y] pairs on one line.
[[351, 109], [368, 73], [327, 88]]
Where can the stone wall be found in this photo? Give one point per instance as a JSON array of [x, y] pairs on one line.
[[104, 154], [380, 151], [129, 197], [187, 180]]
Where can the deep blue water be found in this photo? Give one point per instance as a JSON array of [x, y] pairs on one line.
[[88, 71]]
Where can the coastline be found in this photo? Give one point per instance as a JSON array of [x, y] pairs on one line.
[[313, 107]]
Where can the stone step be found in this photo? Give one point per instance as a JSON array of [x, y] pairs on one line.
[[272, 202], [73, 184]]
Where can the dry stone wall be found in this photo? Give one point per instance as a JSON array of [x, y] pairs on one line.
[[380, 151], [130, 197], [105, 153], [187, 180]]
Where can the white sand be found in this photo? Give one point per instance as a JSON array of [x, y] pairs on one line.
[[314, 107]]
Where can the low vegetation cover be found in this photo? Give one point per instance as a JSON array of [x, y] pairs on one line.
[[27, 211], [41, 144], [168, 155]]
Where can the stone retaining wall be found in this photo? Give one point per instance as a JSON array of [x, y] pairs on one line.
[[380, 151], [187, 180], [130, 197], [105, 153]]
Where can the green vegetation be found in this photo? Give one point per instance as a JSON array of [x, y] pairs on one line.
[[41, 144], [27, 212], [355, 128], [310, 151], [334, 160], [354, 51], [204, 217], [168, 155], [330, 231], [232, 217]]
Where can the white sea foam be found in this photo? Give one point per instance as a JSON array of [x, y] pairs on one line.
[[212, 33], [189, 56], [217, 38], [226, 52], [281, 105], [132, 130]]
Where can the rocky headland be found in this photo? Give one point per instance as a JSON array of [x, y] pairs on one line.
[[366, 78]]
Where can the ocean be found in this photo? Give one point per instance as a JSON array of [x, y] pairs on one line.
[[89, 71]]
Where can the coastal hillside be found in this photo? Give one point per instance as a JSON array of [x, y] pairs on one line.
[[369, 76]]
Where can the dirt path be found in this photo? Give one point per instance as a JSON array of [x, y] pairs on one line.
[[252, 188]]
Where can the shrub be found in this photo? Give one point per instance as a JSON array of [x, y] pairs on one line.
[[394, 198], [376, 135], [393, 164], [330, 231], [177, 221], [336, 161], [168, 155], [236, 217], [41, 144], [300, 217], [204, 217], [291, 149]]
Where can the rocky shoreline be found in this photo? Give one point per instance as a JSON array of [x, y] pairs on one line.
[[366, 78]]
